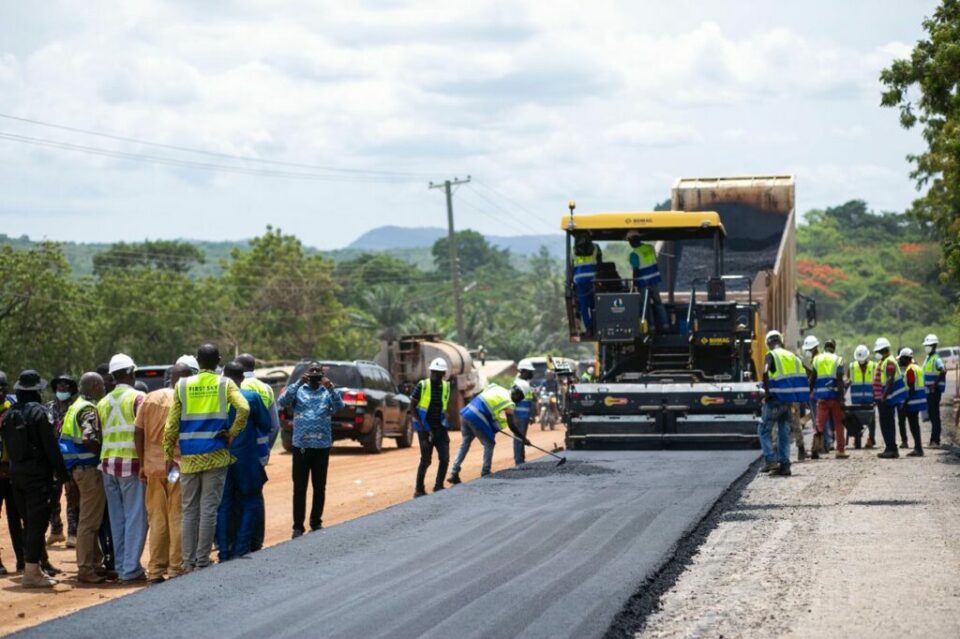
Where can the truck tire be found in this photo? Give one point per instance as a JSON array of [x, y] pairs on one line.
[[373, 441], [405, 440]]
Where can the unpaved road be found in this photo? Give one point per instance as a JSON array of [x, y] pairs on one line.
[[358, 484], [538, 551], [862, 547]]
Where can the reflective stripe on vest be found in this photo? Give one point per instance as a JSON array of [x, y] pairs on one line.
[[931, 374], [71, 438], [262, 389], [898, 392], [585, 267], [648, 274], [487, 411], [916, 397], [827, 365], [788, 382], [424, 404], [117, 420], [861, 383], [203, 413]]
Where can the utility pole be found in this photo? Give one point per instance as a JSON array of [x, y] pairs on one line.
[[447, 186]]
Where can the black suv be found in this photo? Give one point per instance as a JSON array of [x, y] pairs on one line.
[[373, 407]]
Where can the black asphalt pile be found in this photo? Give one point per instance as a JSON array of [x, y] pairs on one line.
[[548, 468], [490, 558]]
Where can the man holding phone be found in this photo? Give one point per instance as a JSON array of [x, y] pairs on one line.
[[313, 401]]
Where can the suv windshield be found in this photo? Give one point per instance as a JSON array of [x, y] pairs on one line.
[[342, 375]]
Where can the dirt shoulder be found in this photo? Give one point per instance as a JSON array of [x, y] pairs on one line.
[[862, 547]]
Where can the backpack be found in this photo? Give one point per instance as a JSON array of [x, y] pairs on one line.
[[16, 435]]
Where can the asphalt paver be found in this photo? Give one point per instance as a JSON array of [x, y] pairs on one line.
[[540, 551]]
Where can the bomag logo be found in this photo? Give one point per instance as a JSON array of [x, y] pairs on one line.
[[706, 400], [616, 401], [714, 341], [639, 220]]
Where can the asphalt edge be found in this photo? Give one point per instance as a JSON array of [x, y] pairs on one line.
[[632, 618]]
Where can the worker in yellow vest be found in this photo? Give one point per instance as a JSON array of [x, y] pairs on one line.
[[935, 379], [430, 399], [486, 415], [126, 494], [860, 381]]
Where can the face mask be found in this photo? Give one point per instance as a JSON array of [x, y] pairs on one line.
[[878, 356], [62, 396], [929, 349]]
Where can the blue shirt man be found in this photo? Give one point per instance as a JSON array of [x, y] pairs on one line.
[[314, 401]]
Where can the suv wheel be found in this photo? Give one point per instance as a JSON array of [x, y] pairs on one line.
[[373, 441], [405, 440]]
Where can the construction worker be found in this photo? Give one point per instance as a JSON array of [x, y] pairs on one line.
[[586, 257], [525, 408], [80, 443], [588, 376], [916, 398], [646, 274], [889, 392], [826, 383], [190, 362], [14, 523], [65, 391], [860, 379], [431, 397], [199, 421], [487, 414], [35, 462], [784, 384], [241, 507], [935, 380], [120, 464]]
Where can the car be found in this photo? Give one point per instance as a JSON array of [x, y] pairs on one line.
[[154, 376], [374, 409], [950, 356]]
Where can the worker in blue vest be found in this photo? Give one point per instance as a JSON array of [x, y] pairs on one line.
[[935, 380], [586, 257], [241, 506], [524, 410], [916, 398], [784, 384], [860, 380], [486, 415], [889, 391], [431, 397], [646, 274]]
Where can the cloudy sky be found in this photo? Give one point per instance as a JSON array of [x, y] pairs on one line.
[[366, 102]]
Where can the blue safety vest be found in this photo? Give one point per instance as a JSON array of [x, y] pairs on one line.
[[898, 391], [916, 396], [203, 413], [585, 268], [861, 383], [788, 382], [71, 439], [524, 406], [827, 365], [267, 397], [486, 411]]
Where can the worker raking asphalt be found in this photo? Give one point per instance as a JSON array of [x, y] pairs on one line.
[[557, 554]]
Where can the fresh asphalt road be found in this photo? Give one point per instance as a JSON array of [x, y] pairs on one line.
[[538, 551]]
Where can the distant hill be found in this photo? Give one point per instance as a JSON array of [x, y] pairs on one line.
[[389, 238]]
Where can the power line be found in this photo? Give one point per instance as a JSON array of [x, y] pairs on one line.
[[512, 201], [517, 221]]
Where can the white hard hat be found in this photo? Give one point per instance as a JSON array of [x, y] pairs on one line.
[[810, 342], [189, 361], [633, 233], [120, 362], [439, 365], [523, 385], [526, 366], [881, 343], [774, 335], [590, 369], [906, 352], [861, 353], [930, 340]]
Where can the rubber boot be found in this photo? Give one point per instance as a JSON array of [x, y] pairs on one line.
[[33, 578], [817, 446]]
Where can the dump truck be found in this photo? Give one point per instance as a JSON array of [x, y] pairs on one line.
[[686, 373], [408, 358]]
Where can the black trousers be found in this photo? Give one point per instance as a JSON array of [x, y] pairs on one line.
[[933, 408], [14, 524], [33, 501], [914, 420], [441, 441], [888, 426], [309, 464], [106, 542], [902, 422]]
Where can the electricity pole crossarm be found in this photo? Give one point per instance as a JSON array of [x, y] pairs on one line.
[[448, 185]]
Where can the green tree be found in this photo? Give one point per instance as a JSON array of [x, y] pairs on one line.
[[164, 255], [933, 71], [473, 252]]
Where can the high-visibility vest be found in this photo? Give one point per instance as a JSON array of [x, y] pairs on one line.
[[916, 396], [861, 383], [204, 412], [585, 267], [5, 404], [648, 273], [71, 438], [827, 365], [898, 392], [524, 406], [788, 382], [931, 374], [117, 420], [487, 411], [267, 396], [424, 404]]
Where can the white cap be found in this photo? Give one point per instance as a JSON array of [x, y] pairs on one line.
[[906, 352], [810, 342], [861, 353], [930, 340], [120, 362], [439, 365], [526, 366], [774, 334], [190, 361], [881, 343]]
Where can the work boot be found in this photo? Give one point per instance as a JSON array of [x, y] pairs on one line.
[[33, 578], [438, 488], [916, 452], [784, 470], [817, 446], [904, 444], [91, 579], [889, 454], [454, 479], [871, 443], [55, 537], [71, 541], [108, 575], [48, 568], [769, 467], [419, 493], [841, 455], [801, 453]]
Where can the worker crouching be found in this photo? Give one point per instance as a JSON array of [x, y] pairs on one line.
[[487, 414]]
